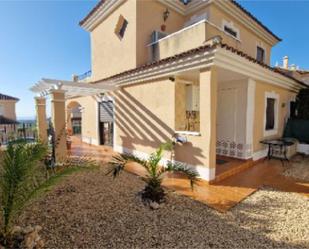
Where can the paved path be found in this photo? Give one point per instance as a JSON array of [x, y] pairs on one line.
[[222, 195]]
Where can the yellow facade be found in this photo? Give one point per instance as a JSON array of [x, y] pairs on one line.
[[8, 109], [151, 111]]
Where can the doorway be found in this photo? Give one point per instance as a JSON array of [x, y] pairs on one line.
[[231, 120], [106, 123]]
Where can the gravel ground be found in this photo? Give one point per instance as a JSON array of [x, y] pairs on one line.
[[299, 168], [91, 210]]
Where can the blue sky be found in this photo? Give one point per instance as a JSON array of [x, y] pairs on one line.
[[42, 39]]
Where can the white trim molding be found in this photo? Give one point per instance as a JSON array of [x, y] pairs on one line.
[[274, 131], [204, 172], [250, 115], [262, 46], [259, 154], [90, 140]]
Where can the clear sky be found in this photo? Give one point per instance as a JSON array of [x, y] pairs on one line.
[[42, 39]]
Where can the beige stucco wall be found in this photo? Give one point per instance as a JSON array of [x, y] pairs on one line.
[[149, 19], [145, 115], [284, 97], [249, 40], [8, 108], [111, 55]]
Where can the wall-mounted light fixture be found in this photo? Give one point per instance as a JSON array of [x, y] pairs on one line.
[[166, 14]]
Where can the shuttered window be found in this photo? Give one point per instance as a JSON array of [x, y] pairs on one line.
[[106, 110]]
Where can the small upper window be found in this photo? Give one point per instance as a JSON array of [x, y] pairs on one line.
[[260, 54], [121, 27], [230, 31], [270, 114]]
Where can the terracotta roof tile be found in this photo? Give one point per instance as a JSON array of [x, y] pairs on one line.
[[195, 51], [7, 97], [92, 12], [255, 19]]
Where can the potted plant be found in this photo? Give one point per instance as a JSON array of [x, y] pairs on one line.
[[69, 143]]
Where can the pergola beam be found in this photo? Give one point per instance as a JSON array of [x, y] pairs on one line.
[[72, 89]]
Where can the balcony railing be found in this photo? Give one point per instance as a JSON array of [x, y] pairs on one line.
[[84, 75], [188, 38], [11, 132]]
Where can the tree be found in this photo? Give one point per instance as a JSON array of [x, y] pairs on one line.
[[302, 104], [153, 190], [20, 172]]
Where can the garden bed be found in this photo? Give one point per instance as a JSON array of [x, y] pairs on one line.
[[91, 210]]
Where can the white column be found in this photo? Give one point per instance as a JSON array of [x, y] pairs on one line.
[[250, 118]]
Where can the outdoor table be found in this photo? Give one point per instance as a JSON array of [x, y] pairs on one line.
[[282, 143]]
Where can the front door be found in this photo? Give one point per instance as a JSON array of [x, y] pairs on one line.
[[231, 121]]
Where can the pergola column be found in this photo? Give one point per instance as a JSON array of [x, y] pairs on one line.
[[69, 121], [40, 105], [208, 117], [58, 118]]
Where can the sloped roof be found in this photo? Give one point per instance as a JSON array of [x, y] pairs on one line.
[[4, 120], [7, 97], [204, 48], [255, 19], [91, 12], [236, 4]]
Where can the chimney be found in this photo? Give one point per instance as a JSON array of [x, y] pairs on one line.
[[74, 78], [286, 62], [293, 67]]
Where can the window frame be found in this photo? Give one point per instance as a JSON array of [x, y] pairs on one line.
[[1, 110], [264, 53], [121, 27], [274, 131], [231, 26]]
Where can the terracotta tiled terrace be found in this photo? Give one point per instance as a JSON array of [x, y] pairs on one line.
[[220, 195]]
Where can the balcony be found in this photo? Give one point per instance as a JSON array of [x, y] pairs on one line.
[[188, 38]]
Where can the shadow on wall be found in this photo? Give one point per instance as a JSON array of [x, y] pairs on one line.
[[141, 127]]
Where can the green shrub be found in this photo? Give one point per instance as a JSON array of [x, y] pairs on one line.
[[153, 190], [21, 173]]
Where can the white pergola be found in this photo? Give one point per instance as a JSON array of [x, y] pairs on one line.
[[59, 92], [72, 89]]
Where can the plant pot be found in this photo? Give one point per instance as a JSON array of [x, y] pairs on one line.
[[69, 145]]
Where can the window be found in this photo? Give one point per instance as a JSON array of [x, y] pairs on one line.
[[270, 114], [230, 31], [260, 54], [121, 27], [1, 110]]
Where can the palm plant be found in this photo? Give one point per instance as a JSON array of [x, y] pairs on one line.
[[20, 173], [153, 190]]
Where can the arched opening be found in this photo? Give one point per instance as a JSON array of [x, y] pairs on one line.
[[74, 118]]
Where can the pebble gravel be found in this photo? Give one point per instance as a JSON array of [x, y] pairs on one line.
[[92, 210]]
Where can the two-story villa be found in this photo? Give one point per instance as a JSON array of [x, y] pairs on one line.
[[196, 69], [7, 109]]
